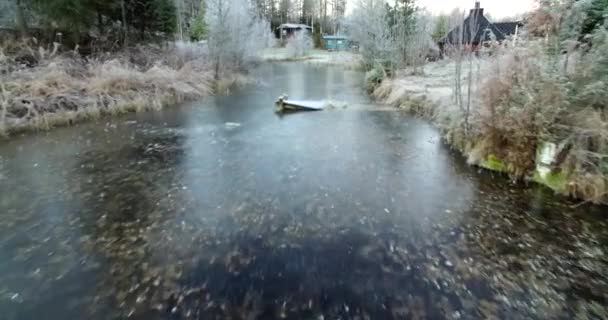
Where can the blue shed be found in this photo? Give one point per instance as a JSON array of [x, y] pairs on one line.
[[335, 43]]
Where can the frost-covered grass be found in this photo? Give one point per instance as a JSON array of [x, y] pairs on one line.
[[315, 56], [299, 45]]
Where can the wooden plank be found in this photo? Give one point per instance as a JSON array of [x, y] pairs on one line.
[[283, 104], [305, 104]]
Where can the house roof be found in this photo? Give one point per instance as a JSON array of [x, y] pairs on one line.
[[476, 28], [294, 26], [508, 28]]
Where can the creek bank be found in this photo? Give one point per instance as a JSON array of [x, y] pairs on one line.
[[185, 214], [430, 96], [58, 89]]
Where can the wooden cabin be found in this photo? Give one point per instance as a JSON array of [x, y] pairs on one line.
[[288, 30], [336, 43]]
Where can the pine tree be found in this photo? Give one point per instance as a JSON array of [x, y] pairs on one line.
[[595, 15], [198, 30], [441, 27], [164, 16]]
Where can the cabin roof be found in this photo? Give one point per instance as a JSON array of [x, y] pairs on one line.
[[335, 37], [508, 28]]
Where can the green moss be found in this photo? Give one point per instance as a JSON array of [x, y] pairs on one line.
[[554, 180], [604, 167], [493, 163], [373, 78]]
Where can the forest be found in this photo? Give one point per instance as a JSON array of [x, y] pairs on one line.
[[106, 24]]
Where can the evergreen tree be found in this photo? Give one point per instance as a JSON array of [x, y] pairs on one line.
[[595, 13], [69, 15], [284, 8], [199, 25], [164, 16], [77, 18], [441, 27]]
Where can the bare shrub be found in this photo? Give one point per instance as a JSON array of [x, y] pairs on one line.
[[236, 36], [368, 24]]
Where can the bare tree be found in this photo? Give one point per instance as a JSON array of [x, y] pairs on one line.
[[20, 18], [465, 43], [125, 28], [419, 42], [472, 43]]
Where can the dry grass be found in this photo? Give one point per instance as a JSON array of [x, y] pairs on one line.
[[62, 89], [586, 158], [3, 108], [344, 59], [231, 81]]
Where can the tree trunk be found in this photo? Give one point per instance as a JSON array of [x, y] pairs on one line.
[[20, 19], [100, 21], [216, 75], [325, 13], [125, 31], [180, 26]]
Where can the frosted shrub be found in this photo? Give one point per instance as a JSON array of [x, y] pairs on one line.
[[419, 42], [522, 99], [236, 34], [299, 45], [535, 93], [368, 25]]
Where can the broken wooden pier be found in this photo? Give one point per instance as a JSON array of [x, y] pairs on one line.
[[285, 105]]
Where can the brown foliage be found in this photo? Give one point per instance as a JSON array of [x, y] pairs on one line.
[[541, 23]]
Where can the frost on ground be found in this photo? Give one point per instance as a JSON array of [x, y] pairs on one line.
[[435, 85], [315, 56], [428, 94]]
